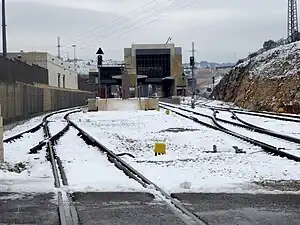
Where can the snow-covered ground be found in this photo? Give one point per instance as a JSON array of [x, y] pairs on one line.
[[22, 127], [284, 127], [185, 167], [88, 169], [57, 123], [38, 174]]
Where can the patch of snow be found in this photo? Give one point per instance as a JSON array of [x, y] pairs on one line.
[[185, 167], [23, 127], [284, 127], [88, 169], [57, 123]]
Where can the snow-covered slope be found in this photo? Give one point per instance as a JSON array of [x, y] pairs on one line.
[[278, 62], [268, 81]]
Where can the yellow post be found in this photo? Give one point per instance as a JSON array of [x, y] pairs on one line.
[[160, 148], [168, 111], [281, 110]]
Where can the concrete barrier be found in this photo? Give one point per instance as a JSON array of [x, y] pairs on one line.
[[175, 101], [111, 104], [1, 139]]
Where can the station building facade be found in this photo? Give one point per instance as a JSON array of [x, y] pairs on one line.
[[156, 68]]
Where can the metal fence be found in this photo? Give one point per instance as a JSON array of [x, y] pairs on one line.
[[22, 101]]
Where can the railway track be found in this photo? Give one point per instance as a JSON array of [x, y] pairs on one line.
[[215, 124], [269, 115], [66, 209]]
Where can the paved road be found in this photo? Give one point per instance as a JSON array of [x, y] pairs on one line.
[[28, 209], [244, 209], [114, 208], [123, 209]]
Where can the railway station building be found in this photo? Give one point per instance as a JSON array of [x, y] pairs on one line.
[[155, 68]]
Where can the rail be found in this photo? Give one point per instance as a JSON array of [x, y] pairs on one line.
[[266, 147]]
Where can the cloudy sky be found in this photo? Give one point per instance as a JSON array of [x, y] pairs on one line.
[[220, 29]]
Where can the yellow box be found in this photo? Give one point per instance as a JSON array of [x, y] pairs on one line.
[[160, 148]]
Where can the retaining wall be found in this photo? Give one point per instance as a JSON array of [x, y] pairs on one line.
[[111, 104], [1, 138], [23, 101], [175, 101]]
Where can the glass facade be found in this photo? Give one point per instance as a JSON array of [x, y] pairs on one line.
[[154, 63]]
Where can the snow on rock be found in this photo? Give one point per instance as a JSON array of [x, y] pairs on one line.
[[185, 167], [277, 62], [266, 82]]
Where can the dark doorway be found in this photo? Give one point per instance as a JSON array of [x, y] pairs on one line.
[[167, 88]]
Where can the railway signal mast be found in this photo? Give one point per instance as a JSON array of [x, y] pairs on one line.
[[293, 34], [192, 64]]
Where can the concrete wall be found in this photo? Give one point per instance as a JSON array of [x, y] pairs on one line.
[[1, 139], [21, 101], [54, 65], [124, 105]]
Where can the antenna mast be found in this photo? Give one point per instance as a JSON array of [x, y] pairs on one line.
[[292, 21]]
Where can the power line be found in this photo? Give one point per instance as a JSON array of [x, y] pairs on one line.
[[120, 31], [149, 6]]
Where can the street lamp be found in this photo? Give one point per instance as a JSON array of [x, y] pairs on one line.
[[99, 64]]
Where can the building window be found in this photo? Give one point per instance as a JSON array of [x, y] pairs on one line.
[[154, 63], [64, 81], [58, 80]]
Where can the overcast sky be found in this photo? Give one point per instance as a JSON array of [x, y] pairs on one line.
[[220, 29]]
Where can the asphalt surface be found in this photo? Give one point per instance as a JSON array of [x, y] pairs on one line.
[[115, 208], [244, 209], [28, 209], [109, 208]]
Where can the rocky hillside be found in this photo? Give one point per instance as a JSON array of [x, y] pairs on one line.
[[267, 81]]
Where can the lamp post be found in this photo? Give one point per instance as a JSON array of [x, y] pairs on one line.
[[99, 64]]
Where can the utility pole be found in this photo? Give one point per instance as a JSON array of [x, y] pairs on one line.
[[192, 64], [4, 42], [58, 47], [74, 47]]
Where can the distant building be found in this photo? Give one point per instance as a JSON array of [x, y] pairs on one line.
[[60, 74], [155, 67], [110, 79], [85, 83]]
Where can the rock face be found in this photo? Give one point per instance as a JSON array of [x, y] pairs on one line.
[[267, 82]]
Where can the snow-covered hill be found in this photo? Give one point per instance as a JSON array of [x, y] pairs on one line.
[[278, 62], [267, 81]]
